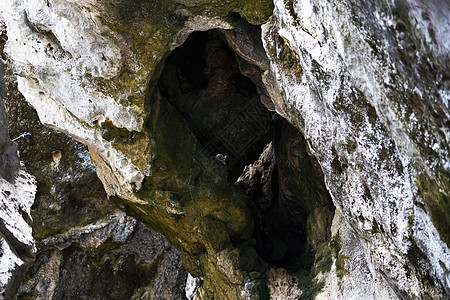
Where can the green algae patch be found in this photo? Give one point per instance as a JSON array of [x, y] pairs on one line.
[[257, 11], [278, 48], [234, 265], [119, 135], [214, 234], [149, 45], [335, 247], [135, 144], [43, 233], [287, 58], [437, 199], [146, 32], [194, 180], [188, 193]]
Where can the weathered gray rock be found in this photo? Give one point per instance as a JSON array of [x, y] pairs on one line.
[[109, 52], [17, 191], [85, 246], [117, 259], [367, 84], [282, 285]]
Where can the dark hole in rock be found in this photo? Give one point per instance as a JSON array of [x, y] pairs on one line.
[[264, 154], [289, 199], [234, 17], [201, 79], [400, 27]]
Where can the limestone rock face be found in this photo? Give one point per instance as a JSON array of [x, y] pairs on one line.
[[17, 191], [349, 201], [367, 84], [85, 246], [107, 52]]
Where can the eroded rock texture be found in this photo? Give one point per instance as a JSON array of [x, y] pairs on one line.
[[86, 247], [353, 207], [17, 191], [367, 84]]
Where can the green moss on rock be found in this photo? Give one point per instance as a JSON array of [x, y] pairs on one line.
[[191, 202], [150, 37], [257, 11], [189, 198], [437, 199], [133, 143], [43, 233], [335, 247], [287, 58]]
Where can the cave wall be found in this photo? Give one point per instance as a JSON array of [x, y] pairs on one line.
[[122, 150], [85, 247], [366, 83], [17, 191]]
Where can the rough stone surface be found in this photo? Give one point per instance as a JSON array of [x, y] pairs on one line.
[[282, 285], [17, 191], [103, 100], [365, 82], [109, 260], [84, 243], [109, 52]]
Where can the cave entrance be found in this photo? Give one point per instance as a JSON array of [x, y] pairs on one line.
[[262, 153], [202, 81]]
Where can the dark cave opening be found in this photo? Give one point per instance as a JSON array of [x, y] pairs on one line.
[[263, 153], [202, 80]]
